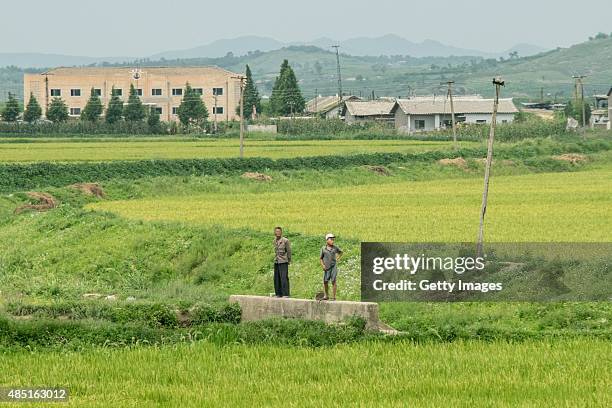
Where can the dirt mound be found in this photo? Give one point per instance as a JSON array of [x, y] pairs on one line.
[[45, 202], [90, 189], [381, 170], [573, 158], [256, 176], [458, 161]]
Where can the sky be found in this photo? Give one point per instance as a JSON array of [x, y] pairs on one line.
[[141, 28]]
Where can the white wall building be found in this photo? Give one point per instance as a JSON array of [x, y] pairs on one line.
[[421, 114]]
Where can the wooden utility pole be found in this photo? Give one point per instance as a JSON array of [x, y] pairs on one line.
[[498, 82], [241, 78], [339, 77], [450, 95]]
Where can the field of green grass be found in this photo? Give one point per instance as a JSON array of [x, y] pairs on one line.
[[146, 148], [471, 374], [178, 242]]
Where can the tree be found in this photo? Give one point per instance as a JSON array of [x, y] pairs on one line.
[[134, 110], [93, 109], [155, 125], [252, 100], [286, 96], [192, 110], [573, 109], [33, 111], [114, 112], [10, 113], [58, 111]]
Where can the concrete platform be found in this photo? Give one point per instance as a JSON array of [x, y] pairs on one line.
[[264, 307]]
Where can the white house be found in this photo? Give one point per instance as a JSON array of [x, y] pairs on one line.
[[421, 114], [610, 109]]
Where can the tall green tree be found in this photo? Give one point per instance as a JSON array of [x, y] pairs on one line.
[[33, 111], [286, 98], [153, 121], [192, 110], [574, 109], [93, 109], [134, 111], [114, 112], [58, 111], [10, 113], [252, 100]]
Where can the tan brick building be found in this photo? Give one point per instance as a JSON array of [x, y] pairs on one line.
[[159, 87]]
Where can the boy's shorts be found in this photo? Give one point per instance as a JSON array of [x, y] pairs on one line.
[[330, 274]]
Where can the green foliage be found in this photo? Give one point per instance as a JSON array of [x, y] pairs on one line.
[[155, 125], [114, 112], [58, 111], [93, 109], [134, 111], [11, 111], [286, 98], [252, 100], [192, 110], [574, 109], [25, 176], [33, 111]]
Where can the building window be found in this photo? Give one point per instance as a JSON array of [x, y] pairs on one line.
[[156, 92], [217, 110], [75, 111], [157, 109], [56, 92], [177, 91], [175, 110], [218, 91], [97, 92], [118, 91], [419, 124], [481, 121], [198, 91], [75, 92], [505, 121], [139, 91]]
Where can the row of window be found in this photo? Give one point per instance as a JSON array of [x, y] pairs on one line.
[[216, 110], [55, 92]]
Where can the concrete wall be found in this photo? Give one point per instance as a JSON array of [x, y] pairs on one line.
[[264, 307], [430, 122], [486, 117], [165, 79], [262, 128]]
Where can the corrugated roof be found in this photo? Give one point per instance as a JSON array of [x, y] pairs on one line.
[[369, 108], [431, 106], [96, 71], [326, 103]]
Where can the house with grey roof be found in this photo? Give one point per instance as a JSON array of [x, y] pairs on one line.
[[421, 114], [328, 106], [375, 110]]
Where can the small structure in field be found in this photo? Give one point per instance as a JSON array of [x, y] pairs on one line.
[[362, 111]]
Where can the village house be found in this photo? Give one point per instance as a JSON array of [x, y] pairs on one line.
[[160, 88], [599, 115], [610, 109], [328, 107], [375, 110], [420, 114]]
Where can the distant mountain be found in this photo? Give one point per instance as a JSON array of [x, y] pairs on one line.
[[389, 44], [219, 48], [40, 60]]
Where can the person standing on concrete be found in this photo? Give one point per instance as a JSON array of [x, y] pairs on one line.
[[330, 255], [282, 259]]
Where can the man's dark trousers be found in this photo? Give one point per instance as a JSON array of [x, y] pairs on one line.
[[281, 279]]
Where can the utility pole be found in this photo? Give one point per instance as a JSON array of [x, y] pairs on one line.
[[241, 78], [498, 82], [579, 83], [339, 76], [450, 95]]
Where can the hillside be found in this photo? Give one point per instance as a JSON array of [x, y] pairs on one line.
[[525, 77]]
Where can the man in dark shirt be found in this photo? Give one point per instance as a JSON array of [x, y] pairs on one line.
[[282, 259], [330, 255]]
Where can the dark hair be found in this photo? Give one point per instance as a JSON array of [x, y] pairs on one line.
[[278, 228]]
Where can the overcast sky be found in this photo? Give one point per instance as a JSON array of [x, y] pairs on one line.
[[140, 28]]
